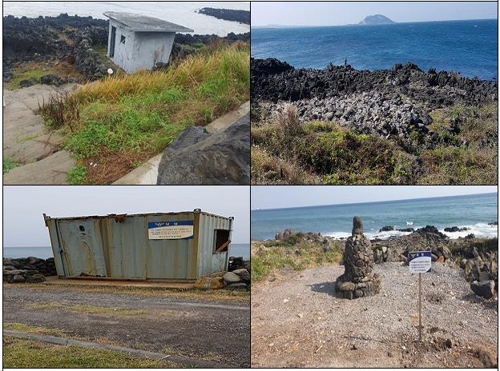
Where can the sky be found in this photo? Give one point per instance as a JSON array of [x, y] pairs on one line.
[[342, 13], [272, 197], [23, 207]]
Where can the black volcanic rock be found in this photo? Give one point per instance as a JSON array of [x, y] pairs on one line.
[[376, 19]]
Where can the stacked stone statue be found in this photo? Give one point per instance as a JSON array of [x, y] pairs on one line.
[[358, 279]]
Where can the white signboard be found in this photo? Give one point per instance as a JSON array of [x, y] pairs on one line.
[[419, 261], [170, 230]]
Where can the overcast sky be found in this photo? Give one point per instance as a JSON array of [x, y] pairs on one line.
[[23, 223], [341, 13], [272, 197]]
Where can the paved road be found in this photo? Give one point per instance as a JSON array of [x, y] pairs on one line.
[[215, 331]]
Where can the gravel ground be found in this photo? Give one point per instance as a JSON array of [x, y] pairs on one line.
[[208, 330], [298, 321]]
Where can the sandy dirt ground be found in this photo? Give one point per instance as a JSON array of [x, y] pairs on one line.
[[299, 321], [215, 331]]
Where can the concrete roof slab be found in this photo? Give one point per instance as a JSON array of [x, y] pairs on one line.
[[141, 23]]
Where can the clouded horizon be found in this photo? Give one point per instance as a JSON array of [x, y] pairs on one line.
[[23, 206], [343, 13]]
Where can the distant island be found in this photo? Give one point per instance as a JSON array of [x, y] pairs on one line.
[[376, 19]]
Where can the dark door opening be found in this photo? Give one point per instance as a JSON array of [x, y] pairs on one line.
[[222, 240], [112, 42]]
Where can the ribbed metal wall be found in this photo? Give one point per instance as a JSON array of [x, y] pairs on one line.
[[118, 246]]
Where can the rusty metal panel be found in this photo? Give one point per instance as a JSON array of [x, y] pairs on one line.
[[125, 247], [211, 262], [159, 246], [82, 250], [174, 258]]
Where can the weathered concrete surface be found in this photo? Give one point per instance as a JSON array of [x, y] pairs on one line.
[[50, 170], [26, 139], [148, 172]]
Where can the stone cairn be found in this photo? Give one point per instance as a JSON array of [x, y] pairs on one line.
[[358, 279]]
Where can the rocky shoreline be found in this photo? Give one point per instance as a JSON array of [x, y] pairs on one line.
[[241, 16], [34, 270], [476, 257], [72, 40], [387, 103]]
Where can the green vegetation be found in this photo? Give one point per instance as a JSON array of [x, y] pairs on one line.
[[271, 256], [14, 83], [90, 309], [24, 353], [77, 175], [113, 124], [160, 292], [8, 165], [287, 152]]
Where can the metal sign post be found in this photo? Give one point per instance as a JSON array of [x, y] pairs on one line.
[[419, 262]]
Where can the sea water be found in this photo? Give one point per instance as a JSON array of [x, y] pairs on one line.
[[183, 13], [469, 47], [45, 252], [474, 212]]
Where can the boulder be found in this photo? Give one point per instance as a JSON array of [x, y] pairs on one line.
[[387, 228], [197, 157], [486, 289], [243, 274], [231, 277]]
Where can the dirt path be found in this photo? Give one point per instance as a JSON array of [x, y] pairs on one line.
[[297, 321], [214, 331], [26, 139]]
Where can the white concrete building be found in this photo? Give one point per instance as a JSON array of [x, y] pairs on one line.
[[139, 42]]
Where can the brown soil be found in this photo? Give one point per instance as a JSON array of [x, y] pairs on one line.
[[208, 330], [298, 321]]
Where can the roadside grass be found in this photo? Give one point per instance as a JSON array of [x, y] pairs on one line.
[[242, 296], [113, 124], [25, 353], [14, 83], [90, 309], [269, 257], [21, 327], [8, 165], [287, 152]]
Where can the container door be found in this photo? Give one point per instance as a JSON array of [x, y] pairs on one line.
[[82, 248]]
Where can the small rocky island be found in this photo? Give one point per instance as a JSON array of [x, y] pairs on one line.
[[376, 19]]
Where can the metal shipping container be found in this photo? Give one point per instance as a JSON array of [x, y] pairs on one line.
[[176, 246]]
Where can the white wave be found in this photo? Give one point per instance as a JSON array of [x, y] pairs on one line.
[[482, 230]]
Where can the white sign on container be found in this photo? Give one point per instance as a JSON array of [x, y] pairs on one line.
[[170, 230]]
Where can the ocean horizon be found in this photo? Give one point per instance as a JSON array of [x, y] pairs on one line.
[[183, 13], [468, 47], [477, 213]]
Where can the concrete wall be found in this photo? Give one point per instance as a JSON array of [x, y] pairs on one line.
[[139, 50]]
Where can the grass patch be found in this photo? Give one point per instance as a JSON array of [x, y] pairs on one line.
[[242, 296], [90, 309], [15, 81], [78, 175], [8, 165], [25, 353], [284, 151], [270, 257], [142, 113], [21, 327]]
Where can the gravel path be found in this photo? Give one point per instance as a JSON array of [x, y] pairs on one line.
[[207, 330], [297, 321]]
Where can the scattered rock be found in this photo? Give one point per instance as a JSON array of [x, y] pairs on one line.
[[486, 289]]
